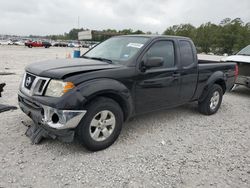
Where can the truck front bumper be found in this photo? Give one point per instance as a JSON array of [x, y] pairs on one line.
[[53, 122]]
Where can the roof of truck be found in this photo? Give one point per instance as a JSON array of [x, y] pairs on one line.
[[155, 36]]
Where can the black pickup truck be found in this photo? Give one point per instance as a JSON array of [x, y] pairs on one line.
[[92, 96]]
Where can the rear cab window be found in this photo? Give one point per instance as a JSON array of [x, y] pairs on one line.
[[186, 54]]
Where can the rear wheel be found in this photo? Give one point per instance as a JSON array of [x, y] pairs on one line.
[[101, 125], [212, 102]]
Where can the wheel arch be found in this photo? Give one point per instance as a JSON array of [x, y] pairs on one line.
[[221, 83], [125, 107], [215, 78], [109, 88]]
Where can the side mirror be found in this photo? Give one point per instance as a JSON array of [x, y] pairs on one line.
[[153, 62]]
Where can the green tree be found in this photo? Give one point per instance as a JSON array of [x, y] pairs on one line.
[[138, 32], [186, 30], [206, 36], [229, 36]]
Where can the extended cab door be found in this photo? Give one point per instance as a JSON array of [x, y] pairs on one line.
[[158, 87], [189, 70]]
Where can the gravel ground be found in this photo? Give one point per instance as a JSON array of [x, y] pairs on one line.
[[171, 148]]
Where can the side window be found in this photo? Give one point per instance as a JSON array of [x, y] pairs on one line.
[[164, 49], [187, 56]]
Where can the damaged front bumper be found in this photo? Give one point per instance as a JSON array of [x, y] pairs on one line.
[[50, 122], [61, 119]]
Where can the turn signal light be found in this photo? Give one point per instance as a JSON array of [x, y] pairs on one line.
[[68, 86]]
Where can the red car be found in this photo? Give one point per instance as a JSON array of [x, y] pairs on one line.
[[31, 44]]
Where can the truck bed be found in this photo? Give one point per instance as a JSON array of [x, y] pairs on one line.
[[203, 61], [208, 68]]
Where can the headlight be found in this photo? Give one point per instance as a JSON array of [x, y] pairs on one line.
[[57, 88]]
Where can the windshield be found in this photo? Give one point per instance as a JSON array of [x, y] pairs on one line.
[[117, 49], [245, 51]]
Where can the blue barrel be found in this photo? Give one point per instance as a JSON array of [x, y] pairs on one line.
[[76, 53]]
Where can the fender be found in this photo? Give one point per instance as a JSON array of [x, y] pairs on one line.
[[108, 88], [217, 76]]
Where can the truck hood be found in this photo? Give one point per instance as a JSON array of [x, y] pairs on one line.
[[61, 68], [237, 58]]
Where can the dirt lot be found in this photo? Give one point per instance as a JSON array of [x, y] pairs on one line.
[[171, 148]]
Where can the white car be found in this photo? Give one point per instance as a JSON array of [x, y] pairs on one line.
[[19, 43], [242, 58], [74, 45], [6, 42]]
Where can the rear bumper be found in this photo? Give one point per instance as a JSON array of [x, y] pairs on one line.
[[243, 80]]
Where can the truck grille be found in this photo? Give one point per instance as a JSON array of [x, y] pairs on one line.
[[33, 85], [29, 79]]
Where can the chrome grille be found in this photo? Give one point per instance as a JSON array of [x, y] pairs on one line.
[[33, 85]]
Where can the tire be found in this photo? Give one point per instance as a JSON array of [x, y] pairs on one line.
[[94, 132], [30, 46], [212, 102]]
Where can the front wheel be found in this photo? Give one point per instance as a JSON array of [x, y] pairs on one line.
[[212, 102], [101, 125]]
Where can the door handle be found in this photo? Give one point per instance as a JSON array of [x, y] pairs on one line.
[[176, 75], [149, 82]]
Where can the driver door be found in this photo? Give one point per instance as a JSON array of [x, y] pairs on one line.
[[158, 87]]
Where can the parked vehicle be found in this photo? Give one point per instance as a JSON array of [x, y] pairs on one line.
[[242, 58], [85, 45], [46, 44], [19, 43], [31, 44], [89, 44], [74, 45], [6, 42], [122, 77], [60, 44]]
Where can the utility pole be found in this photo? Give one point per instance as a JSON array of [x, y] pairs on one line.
[[78, 22], [78, 30]]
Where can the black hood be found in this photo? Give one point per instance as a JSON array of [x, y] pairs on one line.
[[60, 68]]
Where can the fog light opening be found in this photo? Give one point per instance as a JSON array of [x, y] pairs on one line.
[[55, 118], [42, 112]]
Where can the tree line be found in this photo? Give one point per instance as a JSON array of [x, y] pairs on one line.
[[73, 34], [229, 36]]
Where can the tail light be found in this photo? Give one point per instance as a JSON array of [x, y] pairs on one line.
[[236, 73]]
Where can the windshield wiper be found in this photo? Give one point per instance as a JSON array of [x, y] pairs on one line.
[[99, 59]]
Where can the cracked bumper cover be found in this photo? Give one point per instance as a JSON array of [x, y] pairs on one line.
[[61, 119], [59, 123]]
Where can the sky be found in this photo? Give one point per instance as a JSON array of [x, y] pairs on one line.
[[45, 17]]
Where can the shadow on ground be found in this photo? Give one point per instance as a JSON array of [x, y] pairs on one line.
[[242, 91], [139, 125]]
